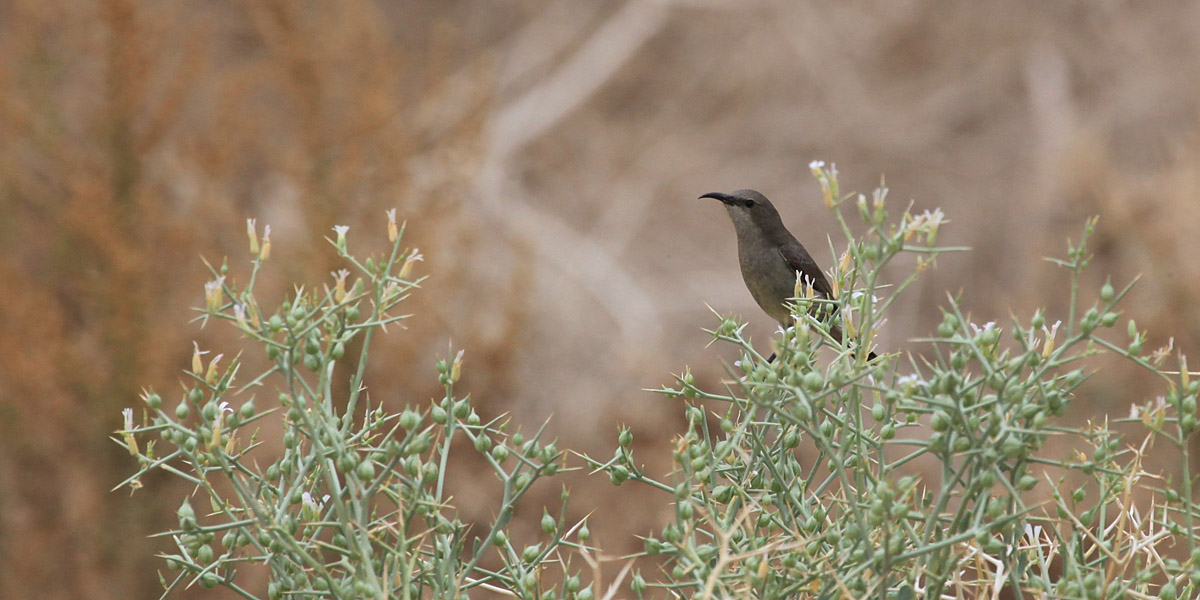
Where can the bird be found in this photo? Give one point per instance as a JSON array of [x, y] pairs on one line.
[[771, 258]]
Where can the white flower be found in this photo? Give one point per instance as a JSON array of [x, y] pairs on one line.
[[128, 414], [977, 329], [341, 237], [313, 504], [816, 164]]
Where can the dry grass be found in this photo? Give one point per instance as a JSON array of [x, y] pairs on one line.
[[547, 156]]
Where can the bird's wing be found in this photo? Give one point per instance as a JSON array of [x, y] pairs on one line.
[[799, 260]]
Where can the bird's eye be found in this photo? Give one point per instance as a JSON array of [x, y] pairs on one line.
[[749, 204]]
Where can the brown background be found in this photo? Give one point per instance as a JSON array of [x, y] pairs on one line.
[[548, 156]]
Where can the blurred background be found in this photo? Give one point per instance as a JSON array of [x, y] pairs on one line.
[[547, 156]]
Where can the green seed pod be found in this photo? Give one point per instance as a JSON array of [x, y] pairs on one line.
[[618, 474], [439, 415], [420, 443], [1107, 292], [462, 408], [410, 419], [888, 431], [366, 470], [312, 362], [940, 421], [1011, 448], [210, 580], [187, 516], [522, 480], [813, 381], [791, 439], [685, 510]]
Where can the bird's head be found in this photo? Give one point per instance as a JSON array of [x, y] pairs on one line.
[[748, 209]]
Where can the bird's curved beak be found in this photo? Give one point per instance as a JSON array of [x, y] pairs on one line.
[[725, 198]]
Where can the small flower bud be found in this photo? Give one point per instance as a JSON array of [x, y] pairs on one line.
[[393, 231], [197, 364], [252, 233], [239, 315], [214, 294], [212, 375], [339, 289], [266, 244], [414, 256], [456, 367], [127, 432]]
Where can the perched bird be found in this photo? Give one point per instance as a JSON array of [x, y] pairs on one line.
[[771, 258]]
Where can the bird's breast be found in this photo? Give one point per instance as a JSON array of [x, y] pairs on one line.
[[770, 281]]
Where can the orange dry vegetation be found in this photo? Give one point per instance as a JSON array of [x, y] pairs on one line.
[[547, 156]]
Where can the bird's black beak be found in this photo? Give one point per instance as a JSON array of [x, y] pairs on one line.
[[725, 198]]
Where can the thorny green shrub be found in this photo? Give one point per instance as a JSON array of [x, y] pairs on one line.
[[811, 477], [819, 475], [354, 504]]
